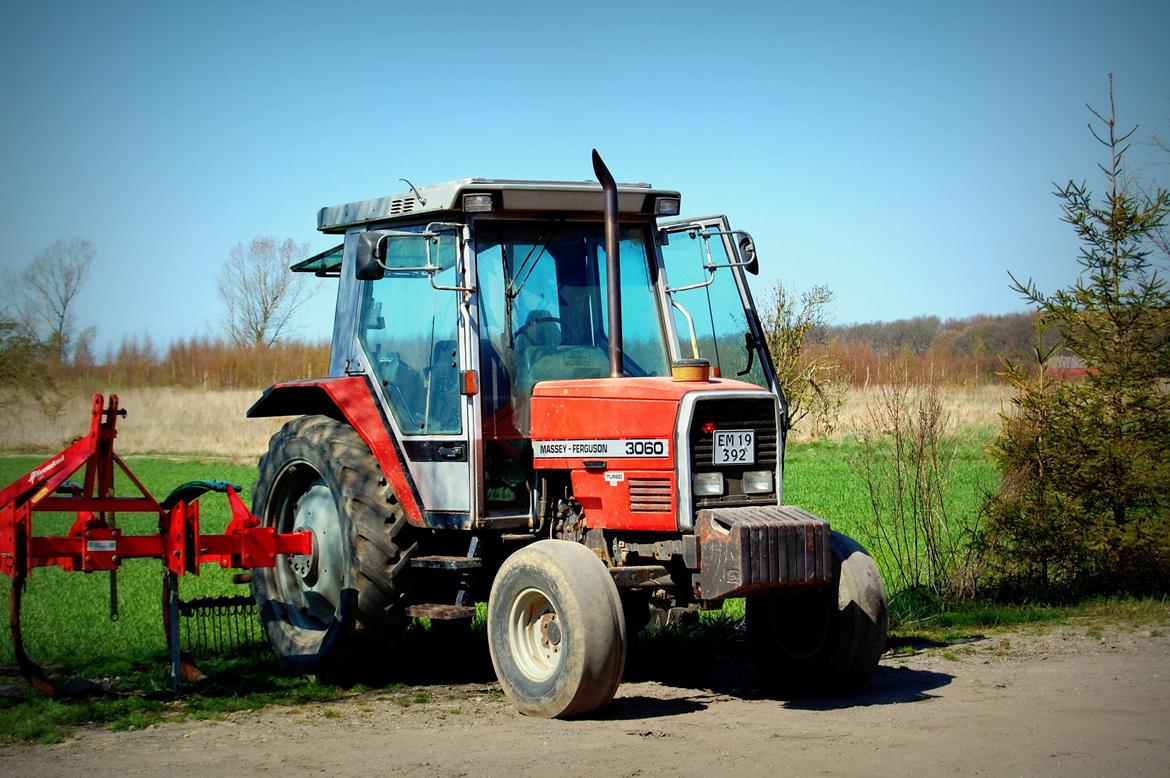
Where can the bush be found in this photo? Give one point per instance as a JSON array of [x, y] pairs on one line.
[[907, 463], [24, 361], [810, 390]]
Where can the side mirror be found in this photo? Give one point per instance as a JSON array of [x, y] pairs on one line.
[[747, 250], [371, 251]]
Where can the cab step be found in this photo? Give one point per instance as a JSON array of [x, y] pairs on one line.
[[440, 612], [439, 562]]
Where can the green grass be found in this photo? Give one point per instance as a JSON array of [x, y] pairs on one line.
[[68, 630], [235, 684], [819, 478], [932, 623], [67, 615]]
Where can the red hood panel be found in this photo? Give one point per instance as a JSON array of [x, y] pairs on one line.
[[655, 388]]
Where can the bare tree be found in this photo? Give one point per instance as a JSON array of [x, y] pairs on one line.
[[48, 290], [259, 292]]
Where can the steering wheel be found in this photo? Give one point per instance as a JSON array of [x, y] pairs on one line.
[[537, 320]]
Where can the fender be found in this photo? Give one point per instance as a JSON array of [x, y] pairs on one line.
[[350, 400]]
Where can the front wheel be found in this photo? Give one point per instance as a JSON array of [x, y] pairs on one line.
[[556, 630], [823, 639]]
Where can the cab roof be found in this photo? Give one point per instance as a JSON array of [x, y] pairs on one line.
[[507, 195]]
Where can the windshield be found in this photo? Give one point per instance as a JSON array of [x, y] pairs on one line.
[[711, 303], [543, 312]]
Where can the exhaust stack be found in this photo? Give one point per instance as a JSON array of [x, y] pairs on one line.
[[612, 266]]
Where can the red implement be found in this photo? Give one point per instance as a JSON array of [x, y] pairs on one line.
[[95, 543]]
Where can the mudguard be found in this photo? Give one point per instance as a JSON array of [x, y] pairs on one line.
[[351, 400]]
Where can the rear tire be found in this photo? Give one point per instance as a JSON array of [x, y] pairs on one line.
[[556, 630], [823, 639], [346, 599]]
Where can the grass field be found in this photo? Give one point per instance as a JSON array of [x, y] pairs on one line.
[[66, 615]]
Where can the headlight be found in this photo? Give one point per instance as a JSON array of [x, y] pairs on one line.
[[757, 482], [666, 206], [477, 203], [708, 484]]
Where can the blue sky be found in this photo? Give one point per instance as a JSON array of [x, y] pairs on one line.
[[901, 153]]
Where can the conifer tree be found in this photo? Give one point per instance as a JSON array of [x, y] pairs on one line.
[[1085, 500]]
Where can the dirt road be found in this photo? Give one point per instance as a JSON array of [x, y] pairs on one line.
[[1069, 701]]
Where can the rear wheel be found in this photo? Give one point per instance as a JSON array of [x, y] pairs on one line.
[[556, 630], [824, 638], [320, 610]]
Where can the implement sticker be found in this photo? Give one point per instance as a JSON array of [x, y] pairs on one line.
[[575, 449]]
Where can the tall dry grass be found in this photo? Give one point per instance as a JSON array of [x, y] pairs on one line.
[[164, 421], [187, 422], [972, 409]]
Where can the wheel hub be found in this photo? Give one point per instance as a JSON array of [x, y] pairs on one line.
[[305, 565], [550, 630], [318, 575]]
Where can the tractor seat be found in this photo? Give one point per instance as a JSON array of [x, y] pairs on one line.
[[553, 363]]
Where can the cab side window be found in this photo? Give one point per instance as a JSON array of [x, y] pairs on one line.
[[408, 331]]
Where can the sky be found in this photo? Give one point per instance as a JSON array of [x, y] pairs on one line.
[[903, 154]]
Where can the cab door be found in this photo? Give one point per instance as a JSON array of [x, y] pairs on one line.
[[413, 331], [705, 286]]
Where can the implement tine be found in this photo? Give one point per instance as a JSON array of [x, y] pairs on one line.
[[28, 668], [171, 623]]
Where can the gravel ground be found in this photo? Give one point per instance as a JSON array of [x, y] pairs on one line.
[[1068, 700]]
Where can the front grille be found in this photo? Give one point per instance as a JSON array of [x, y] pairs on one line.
[[650, 495], [734, 414]]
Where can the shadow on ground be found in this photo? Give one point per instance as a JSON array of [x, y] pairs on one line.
[[889, 686], [708, 666], [637, 706], [725, 665]]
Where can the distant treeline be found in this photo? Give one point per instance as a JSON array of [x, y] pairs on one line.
[[202, 363], [968, 350], [923, 348]]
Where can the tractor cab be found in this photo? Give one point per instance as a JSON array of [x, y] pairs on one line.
[[458, 300]]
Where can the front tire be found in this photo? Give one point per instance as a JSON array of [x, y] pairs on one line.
[[556, 630], [823, 639], [323, 610]]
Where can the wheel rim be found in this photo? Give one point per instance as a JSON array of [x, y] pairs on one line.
[[535, 637], [310, 584]]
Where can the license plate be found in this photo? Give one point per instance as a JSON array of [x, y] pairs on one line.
[[735, 447]]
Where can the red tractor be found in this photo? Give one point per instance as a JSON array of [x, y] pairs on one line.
[[554, 397]]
